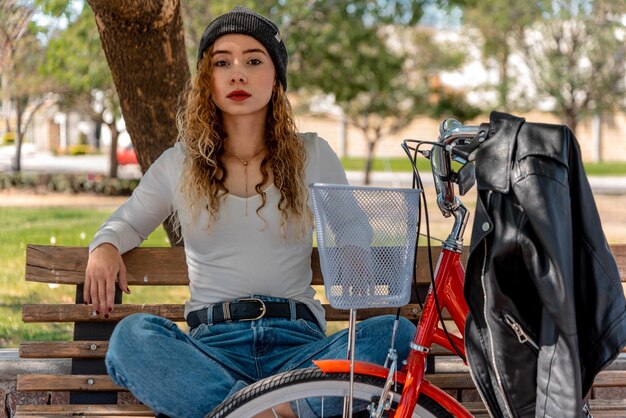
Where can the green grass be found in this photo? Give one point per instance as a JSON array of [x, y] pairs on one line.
[[398, 164], [59, 226], [614, 168], [402, 164]]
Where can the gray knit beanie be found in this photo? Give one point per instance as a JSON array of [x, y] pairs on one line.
[[247, 22]]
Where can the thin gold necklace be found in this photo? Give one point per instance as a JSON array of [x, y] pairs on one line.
[[245, 173]]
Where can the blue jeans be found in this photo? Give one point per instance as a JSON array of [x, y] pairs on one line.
[[187, 375]]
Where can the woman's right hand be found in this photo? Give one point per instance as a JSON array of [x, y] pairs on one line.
[[104, 266]]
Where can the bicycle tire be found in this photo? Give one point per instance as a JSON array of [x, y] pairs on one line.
[[300, 384]]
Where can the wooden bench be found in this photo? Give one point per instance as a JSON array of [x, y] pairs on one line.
[[92, 393]]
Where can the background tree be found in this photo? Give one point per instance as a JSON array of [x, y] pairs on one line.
[[501, 23], [14, 18], [577, 56], [75, 59], [342, 49], [30, 91], [399, 85], [196, 16]]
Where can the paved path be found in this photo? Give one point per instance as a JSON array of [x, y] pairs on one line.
[[599, 184], [33, 162]]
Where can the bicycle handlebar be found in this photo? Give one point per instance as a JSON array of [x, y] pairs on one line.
[[456, 142]]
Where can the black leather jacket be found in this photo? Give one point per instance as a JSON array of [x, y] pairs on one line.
[[547, 309]]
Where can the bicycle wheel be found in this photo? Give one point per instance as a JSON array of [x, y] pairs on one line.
[[307, 389]]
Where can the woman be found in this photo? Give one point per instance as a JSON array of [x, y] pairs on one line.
[[237, 181]]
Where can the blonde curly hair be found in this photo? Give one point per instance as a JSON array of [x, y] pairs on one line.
[[201, 130]]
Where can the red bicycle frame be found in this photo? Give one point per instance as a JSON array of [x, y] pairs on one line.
[[449, 277]]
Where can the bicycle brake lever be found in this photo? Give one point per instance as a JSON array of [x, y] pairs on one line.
[[466, 151], [466, 178]]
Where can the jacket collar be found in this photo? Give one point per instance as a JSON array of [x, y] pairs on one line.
[[494, 156]]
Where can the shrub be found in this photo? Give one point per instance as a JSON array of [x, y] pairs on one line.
[[8, 138], [79, 149], [68, 183]]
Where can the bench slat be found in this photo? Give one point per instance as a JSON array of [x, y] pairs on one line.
[[98, 349], [48, 382], [411, 311], [73, 313], [64, 382], [83, 410], [619, 253], [175, 312], [152, 266], [607, 404], [596, 405], [610, 378], [144, 266], [160, 266], [63, 349]]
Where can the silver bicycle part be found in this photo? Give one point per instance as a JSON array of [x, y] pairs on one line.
[[392, 343], [454, 242], [419, 348], [384, 403], [347, 403], [450, 131]]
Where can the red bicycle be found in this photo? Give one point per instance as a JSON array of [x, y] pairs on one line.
[[389, 391]]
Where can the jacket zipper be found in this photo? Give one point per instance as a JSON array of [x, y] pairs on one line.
[[522, 335], [493, 356], [474, 379]]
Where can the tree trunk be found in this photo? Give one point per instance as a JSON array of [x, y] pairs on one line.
[[115, 134], [570, 120], [143, 41], [97, 134], [22, 126], [144, 44], [503, 88], [596, 137], [343, 136], [6, 93], [20, 104], [371, 146]]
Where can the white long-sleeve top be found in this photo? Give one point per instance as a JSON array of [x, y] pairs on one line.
[[239, 255]]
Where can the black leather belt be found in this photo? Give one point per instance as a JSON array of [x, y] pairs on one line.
[[248, 309]]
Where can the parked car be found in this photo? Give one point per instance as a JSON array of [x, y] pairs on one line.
[[127, 155]]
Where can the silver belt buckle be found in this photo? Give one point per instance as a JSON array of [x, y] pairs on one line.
[[262, 308]]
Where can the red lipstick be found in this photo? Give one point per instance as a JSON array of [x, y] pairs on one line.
[[238, 95]]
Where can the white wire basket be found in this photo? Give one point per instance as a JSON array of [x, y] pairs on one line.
[[366, 238]]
